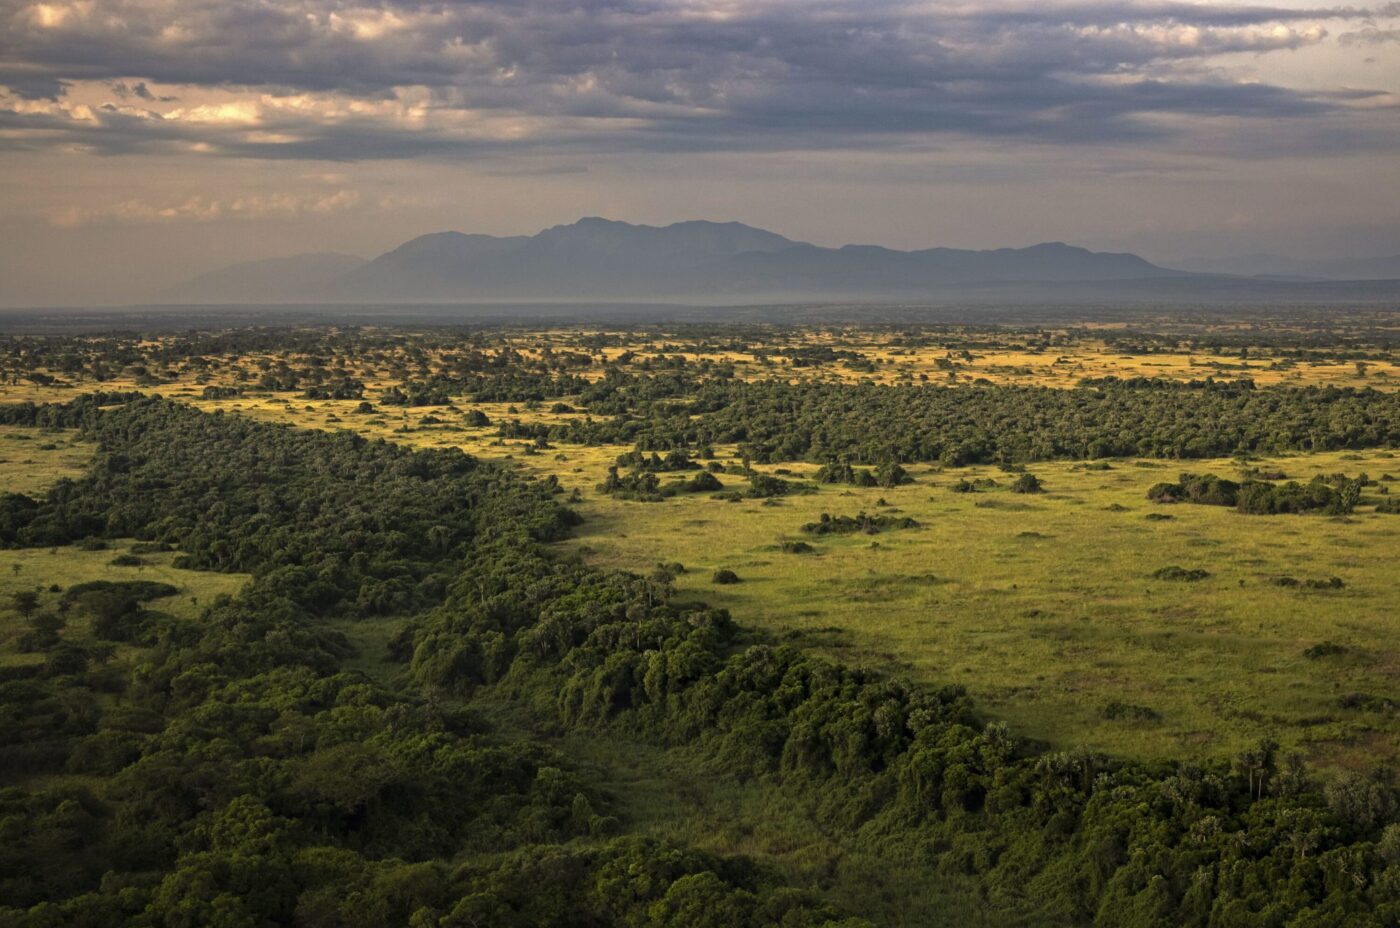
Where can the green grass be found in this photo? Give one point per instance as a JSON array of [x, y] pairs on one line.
[[1045, 607], [32, 460], [370, 638], [41, 568]]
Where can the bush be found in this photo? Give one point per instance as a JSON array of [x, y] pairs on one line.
[[1027, 483], [1181, 573], [725, 577]]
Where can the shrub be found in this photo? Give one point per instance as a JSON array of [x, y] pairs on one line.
[[1181, 573], [1027, 483], [725, 577]]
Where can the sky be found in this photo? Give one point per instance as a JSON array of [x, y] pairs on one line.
[[145, 141]]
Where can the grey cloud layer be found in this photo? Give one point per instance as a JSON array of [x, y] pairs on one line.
[[446, 78]]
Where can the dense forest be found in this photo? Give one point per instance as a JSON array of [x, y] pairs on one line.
[[776, 421], [233, 771], [235, 774]]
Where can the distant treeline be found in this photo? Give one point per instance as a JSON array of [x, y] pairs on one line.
[[870, 424]]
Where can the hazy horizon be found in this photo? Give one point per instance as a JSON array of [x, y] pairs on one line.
[[143, 144]]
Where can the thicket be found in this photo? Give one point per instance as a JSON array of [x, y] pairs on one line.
[[1259, 497], [870, 424], [866, 524]]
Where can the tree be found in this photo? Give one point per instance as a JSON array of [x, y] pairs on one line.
[[25, 602], [1027, 483]]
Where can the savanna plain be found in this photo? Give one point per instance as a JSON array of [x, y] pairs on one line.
[[1063, 623]]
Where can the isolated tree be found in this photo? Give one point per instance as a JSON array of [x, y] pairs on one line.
[[25, 602]]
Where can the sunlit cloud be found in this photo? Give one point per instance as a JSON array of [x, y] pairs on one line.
[[346, 80], [207, 209]]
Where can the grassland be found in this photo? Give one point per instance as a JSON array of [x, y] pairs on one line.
[[1044, 606], [43, 568], [31, 461]]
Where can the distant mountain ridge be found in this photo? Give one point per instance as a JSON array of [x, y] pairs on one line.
[[695, 261]]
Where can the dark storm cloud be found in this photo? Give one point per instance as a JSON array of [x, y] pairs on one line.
[[602, 75]]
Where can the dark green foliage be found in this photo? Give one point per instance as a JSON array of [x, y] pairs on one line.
[[724, 577], [845, 473], [343, 389], [890, 474], [1256, 497], [248, 702], [436, 392], [645, 486], [861, 522], [1324, 649], [139, 591], [221, 393], [1206, 489], [764, 486], [675, 459], [887, 474], [1027, 483], [1366, 702], [25, 602], [867, 423], [1175, 572]]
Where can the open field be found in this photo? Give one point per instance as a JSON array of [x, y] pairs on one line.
[[43, 568], [1043, 606], [32, 461]]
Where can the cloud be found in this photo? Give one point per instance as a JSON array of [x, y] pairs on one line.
[[207, 209], [1370, 35], [352, 79]]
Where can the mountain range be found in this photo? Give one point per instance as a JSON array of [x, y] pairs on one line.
[[697, 262]]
